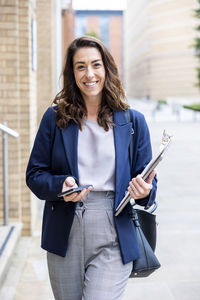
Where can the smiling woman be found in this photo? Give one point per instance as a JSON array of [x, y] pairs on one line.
[[83, 141]]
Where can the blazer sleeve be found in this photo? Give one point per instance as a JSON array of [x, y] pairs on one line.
[[39, 177], [142, 153]]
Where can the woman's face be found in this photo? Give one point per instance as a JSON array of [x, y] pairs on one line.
[[89, 73]]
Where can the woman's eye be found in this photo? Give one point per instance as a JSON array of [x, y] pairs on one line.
[[80, 67], [97, 65]]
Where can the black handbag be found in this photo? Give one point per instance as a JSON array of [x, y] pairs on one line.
[[146, 228]]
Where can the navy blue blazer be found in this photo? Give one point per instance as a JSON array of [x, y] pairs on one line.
[[54, 157]]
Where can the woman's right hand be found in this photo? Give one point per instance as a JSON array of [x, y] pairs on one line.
[[70, 183]]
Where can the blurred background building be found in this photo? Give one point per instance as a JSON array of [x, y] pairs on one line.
[[160, 60]]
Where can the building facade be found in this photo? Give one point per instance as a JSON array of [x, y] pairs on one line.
[[160, 60]]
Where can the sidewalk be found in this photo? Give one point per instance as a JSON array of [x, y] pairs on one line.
[[178, 213], [178, 216]]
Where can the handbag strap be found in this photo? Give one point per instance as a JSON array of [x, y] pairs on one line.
[[128, 118]]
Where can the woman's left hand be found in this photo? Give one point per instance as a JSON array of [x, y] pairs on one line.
[[139, 188]]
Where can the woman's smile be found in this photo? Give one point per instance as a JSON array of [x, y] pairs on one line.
[[91, 84]]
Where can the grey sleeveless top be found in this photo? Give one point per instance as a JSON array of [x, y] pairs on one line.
[[96, 157]]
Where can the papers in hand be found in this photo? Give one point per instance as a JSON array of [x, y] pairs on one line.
[[166, 140]]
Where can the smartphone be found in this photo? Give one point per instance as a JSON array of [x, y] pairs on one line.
[[77, 189]]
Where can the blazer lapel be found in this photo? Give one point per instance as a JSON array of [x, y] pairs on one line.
[[122, 136], [70, 140]]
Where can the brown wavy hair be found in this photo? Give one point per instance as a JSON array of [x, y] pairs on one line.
[[70, 103]]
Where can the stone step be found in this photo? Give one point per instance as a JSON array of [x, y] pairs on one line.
[[9, 236]]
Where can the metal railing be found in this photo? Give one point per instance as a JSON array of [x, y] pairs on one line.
[[5, 132]]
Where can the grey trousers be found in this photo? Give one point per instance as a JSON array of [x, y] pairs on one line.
[[92, 268]]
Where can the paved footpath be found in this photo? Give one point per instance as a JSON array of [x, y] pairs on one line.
[[178, 215]]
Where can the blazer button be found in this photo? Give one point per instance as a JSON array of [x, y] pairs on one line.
[[52, 208], [80, 203]]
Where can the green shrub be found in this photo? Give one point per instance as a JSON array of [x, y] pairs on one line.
[[162, 101], [194, 106], [93, 34]]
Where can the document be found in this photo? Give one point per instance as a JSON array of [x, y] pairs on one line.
[[166, 140]]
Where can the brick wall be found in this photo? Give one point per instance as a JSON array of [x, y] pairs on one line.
[[28, 106], [18, 103], [9, 97]]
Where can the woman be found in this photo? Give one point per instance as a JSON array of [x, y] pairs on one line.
[[84, 140]]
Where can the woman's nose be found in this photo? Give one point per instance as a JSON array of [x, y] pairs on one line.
[[89, 72]]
